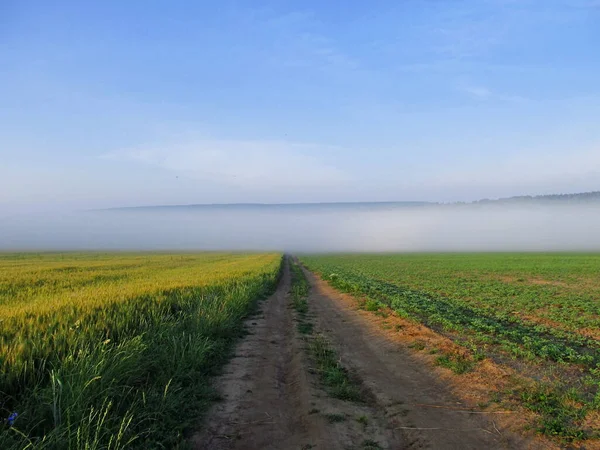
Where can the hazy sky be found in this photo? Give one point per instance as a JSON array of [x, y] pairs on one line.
[[113, 102]]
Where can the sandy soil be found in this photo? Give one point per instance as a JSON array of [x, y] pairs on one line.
[[272, 400]]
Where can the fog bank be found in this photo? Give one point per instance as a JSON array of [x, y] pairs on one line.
[[531, 227]]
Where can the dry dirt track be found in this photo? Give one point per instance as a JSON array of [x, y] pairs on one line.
[[272, 401], [266, 390]]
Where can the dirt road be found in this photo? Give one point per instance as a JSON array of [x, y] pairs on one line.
[[273, 401], [266, 391]]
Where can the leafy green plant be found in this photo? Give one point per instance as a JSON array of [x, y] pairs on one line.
[[539, 310]]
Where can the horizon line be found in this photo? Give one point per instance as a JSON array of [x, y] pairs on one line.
[[353, 203], [187, 205]]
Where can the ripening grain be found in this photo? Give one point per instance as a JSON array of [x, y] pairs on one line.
[[115, 350]]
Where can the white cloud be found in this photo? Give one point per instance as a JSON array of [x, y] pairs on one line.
[[478, 91], [251, 165], [301, 40], [484, 93]]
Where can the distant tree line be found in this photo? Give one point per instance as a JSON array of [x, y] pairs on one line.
[[569, 198]]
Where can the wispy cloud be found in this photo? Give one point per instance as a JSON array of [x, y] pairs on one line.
[[473, 30], [251, 165], [300, 40], [483, 93], [479, 92]]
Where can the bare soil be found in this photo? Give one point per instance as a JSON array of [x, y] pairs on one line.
[[273, 400]]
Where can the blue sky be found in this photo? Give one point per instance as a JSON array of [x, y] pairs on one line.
[[170, 102]]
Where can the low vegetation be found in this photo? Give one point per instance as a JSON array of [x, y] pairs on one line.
[[112, 351], [333, 375], [539, 313]]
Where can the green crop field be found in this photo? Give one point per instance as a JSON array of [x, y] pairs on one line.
[[539, 313], [116, 350]]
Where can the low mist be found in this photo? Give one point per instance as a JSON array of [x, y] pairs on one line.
[[530, 227]]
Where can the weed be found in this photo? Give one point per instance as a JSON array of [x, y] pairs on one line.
[[364, 421], [300, 304], [333, 375], [372, 305], [558, 416], [495, 397], [417, 345], [335, 418], [305, 327], [458, 363], [370, 444]]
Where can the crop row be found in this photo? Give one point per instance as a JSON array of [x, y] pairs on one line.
[[560, 290], [564, 403]]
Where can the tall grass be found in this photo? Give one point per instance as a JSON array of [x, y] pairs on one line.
[[130, 366]]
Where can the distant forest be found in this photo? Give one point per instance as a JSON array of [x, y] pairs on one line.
[[562, 198], [584, 197]]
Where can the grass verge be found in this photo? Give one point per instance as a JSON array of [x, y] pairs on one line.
[[335, 378]]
